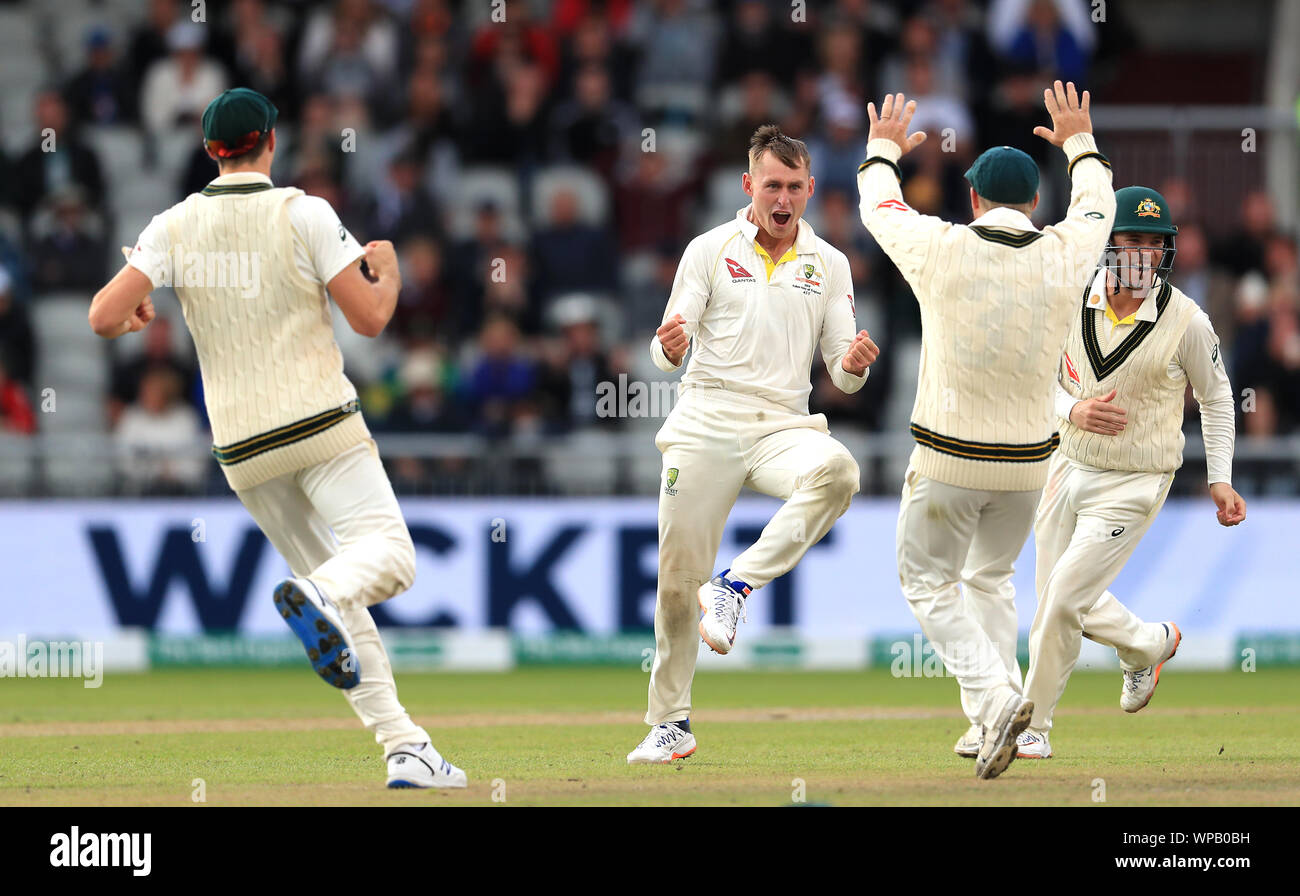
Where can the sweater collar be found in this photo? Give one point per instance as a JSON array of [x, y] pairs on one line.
[[1002, 216]]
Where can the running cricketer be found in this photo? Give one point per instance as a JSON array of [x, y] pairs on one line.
[[996, 302], [1135, 343], [287, 427], [754, 297]]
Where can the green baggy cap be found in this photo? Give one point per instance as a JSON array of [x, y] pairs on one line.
[[1004, 174], [236, 120]]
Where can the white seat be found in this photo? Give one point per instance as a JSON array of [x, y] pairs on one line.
[[484, 184], [592, 196]]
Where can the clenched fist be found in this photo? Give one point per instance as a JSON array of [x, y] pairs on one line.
[[673, 338], [1099, 415], [1232, 507], [141, 317], [861, 354]]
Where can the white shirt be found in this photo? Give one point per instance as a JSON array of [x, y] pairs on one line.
[[756, 336], [1197, 361], [323, 247]]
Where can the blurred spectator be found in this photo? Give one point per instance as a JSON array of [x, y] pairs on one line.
[[425, 309], [128, 375], [519, 42], [429, 131], [877, 23], [508, 123], [1012, 110], [57, 159], [961, 47], [754, 43], [177, 89], [590, 128], [836, 156], [149, 40], [759, 104], [253, 48], [69, 248], [502, 383], [401, 207], [351, 50], [846, 74], [1055, 36], [101, 93], [594, 41], [425, 405], [17, 341], [651, 203], [159, 439], [1191, 272], [575, 365], [16, 414], [677, 51], [569, 255], [919, 42], [1243, 249]]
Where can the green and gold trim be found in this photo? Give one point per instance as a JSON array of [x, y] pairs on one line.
[[1016, 239], [234, 189], [1086, 155], [995, 451], [284, 435], [898, 172], [1104, 365]]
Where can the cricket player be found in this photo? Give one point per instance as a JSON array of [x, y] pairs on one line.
[[995, 305], [755, 297], [251, 264], [1135, 342]]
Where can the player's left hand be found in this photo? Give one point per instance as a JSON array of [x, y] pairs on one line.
[[141, 317], [1232, 506], [895, 115], [861, 354]]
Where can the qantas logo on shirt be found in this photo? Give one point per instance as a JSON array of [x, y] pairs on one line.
[[1069, 369], [738, 273]]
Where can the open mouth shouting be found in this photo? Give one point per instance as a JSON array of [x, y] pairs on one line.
[[781, 218]]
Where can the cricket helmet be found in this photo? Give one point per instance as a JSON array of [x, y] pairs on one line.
[[1141, 210]]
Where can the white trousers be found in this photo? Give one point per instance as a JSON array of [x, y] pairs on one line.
[[949, 536], [714, 443], [1088, 525], [338, 524]]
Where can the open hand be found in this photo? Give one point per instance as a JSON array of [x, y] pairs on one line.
[[895, 115], [1069, 114], [1099, 415]]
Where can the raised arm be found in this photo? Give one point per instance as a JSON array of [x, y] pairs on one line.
[[905, 235], [1091, 214]]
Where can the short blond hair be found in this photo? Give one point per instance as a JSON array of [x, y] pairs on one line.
[[791, 152]]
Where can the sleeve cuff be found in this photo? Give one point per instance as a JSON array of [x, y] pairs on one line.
[[887, 148], [1077, 145]]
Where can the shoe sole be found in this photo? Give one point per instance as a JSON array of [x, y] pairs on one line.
[[1020, 755], [1004, 748], [402, 784], [326, 648], [966, 754], [1178, 639], [676, 756], [705, 637]]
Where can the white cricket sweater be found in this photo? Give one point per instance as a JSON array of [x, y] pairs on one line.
[[996, 300], [756, 336], [273, 380]]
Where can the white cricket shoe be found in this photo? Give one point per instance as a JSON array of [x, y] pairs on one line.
[[316, 620], [664, 743], [1140, 684], [420, 765], [722, 601], [999, 748], [968, 744], [1033, 746]]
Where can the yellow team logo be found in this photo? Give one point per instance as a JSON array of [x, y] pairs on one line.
[[1147, 208]]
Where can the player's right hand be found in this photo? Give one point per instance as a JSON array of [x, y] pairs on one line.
[[1069, 114], [143, 314], [1099, 415], [673, 338]]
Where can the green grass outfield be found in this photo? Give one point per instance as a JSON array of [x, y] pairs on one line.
[[558, 736]]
